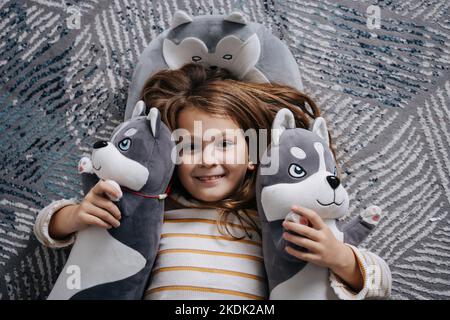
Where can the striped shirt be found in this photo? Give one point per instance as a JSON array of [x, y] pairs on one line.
[[196, 261]]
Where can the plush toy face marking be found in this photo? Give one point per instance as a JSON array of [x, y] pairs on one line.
[[231, 53], [130, 132], [298, 153], [306, 176]]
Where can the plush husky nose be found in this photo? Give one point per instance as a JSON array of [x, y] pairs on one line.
[[100, 144], [333, 182]]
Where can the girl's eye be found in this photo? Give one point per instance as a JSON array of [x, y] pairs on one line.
[[296, 171], [196, 58], [190, 147], [125, 144], [227, 57], [193, 147], [225, 144]]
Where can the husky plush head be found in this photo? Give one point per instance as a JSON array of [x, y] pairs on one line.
[[248, 50], [128, 158], [226, 43], [301, 171]]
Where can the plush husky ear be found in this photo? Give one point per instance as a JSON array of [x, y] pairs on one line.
[[138, 109], [155, 121], [283, 120], [236, 17], [180, 17], [320, 128]]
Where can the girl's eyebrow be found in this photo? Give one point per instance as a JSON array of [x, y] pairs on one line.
[[222, 134], [225, 136], [233, 137]]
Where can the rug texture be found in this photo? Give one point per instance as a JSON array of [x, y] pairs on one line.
[[383, 86]]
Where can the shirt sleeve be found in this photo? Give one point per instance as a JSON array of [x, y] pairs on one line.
[[376, 276], [43, 220]]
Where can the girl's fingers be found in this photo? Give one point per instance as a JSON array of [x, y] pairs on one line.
[[305, 256], [302, 242], [303, 230], [102, 214], [311, 215], [94, 221], [102, 187], [108, 205]]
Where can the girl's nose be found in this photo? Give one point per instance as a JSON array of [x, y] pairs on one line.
[[209, 157]]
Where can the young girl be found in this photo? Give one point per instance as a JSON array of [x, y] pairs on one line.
[[211, 243]]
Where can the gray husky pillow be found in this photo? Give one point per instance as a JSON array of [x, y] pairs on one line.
[[249, 50]]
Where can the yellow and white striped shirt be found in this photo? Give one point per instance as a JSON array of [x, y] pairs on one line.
[[196, 261]]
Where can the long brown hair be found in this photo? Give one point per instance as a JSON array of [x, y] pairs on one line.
[[250, 105]]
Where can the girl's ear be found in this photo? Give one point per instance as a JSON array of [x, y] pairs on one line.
[[250, 166], [283, 120], [138, 109], [320, 128]]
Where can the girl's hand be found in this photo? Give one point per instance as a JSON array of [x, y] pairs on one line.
[[323, 247], [97, 208]]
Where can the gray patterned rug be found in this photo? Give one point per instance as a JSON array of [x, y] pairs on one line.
[[385, 92]]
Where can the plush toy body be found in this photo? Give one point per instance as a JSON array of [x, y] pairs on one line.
[[248, 50], [298, 168], [116, 263]]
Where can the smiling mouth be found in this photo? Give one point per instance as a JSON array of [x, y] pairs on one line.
[[329, 204], [95, 167], [210, 178]]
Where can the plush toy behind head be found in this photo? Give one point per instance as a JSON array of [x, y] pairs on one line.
[[248, 50], [116, 263], [298, 168]]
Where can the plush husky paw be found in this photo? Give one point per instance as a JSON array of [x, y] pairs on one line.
[[293, 217], [371, 215], [85, 165], [116, 186]]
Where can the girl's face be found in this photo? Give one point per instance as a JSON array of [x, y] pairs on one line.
[[215, 159]]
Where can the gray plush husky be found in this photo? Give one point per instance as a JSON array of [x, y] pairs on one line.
[[298, 168], [116, 263], [247, 49]]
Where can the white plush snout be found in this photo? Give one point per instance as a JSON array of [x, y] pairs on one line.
[[109, 163]]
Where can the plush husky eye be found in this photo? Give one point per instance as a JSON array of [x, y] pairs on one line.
[[196, 58], [335, 172], [227, 57], [125, 144], [296, 171]]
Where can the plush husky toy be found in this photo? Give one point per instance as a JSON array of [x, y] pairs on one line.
[[248, 50], [298, 168], [116, 263]]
